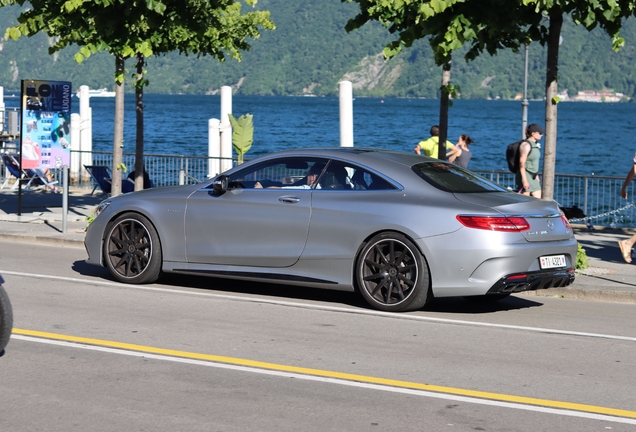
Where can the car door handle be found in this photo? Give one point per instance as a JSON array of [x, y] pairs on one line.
[[289, 199]]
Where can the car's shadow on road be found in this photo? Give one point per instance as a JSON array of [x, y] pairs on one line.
[[460, 305], [481, 305], [84, 269], [279, 291]]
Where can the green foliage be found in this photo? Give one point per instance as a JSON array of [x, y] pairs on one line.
[[310, 51], [581, 258], [452, 91], [90, 218], [242, 134], [127, 29]]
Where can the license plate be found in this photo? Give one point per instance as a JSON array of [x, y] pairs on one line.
[[553, 261]]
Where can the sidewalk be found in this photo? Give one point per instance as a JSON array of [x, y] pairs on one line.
[[41, 218], [609, 277]]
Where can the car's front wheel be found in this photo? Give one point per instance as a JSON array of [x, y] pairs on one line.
[[392, 275], [6, 319], [132, 250]]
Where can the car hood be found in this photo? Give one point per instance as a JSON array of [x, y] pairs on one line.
[[543, 216], [183, 190]]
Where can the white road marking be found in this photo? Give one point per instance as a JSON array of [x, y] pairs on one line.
[[336, 381], [403, 316]]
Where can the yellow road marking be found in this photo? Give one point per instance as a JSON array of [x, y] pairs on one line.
[[331, 374]]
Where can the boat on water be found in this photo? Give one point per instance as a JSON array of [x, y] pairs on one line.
[[103, 92]]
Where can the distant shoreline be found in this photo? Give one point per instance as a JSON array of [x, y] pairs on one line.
[[16, 95]]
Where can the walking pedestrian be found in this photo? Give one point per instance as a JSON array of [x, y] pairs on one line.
[[461, 154], [430, 146], [527, 178], [627, 244]]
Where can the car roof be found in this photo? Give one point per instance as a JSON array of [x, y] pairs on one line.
[[371, 156], [391, 163]]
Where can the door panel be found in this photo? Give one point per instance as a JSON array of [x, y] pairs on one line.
[[248, 227]]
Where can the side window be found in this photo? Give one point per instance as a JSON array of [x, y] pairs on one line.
[[342, 176], [278, 173]]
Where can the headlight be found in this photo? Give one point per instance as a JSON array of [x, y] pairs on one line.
[[101, 207]]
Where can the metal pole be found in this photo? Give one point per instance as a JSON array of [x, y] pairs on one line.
[[524, 103], [1, 109], [65, 170]]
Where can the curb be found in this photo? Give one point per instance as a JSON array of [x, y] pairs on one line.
[[41, 218], [601, 295], [43, 240]]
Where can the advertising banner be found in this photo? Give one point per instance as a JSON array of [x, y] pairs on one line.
[[46, 124]]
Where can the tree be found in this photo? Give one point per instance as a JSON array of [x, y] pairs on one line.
[[197, 28], [491, 25], [139, 28], [449, 24], [607, 14]]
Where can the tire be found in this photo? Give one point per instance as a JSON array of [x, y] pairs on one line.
[[6, 319], [392, 275], [132, 250]]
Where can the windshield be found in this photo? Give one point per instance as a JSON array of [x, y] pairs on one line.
[[451, 178]]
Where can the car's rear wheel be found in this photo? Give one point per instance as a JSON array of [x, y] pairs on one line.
[[392, 275], [132, 249]]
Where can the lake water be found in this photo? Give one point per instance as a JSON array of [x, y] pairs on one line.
[[589, 135]]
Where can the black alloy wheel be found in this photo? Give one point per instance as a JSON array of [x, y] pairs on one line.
[[392, 275], [132, 249]]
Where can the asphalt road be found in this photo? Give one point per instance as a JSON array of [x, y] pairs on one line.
[[192, 354]]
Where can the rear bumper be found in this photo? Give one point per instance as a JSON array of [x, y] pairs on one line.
[[531, 281]]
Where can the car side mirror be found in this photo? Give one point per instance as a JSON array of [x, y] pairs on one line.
[[219, 186]]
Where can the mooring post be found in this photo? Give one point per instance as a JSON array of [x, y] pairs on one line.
[[214, 147], [346, 114], [226, 128]]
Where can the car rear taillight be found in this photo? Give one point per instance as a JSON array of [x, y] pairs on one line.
[[516, 277], [566, 222], [495, 223]]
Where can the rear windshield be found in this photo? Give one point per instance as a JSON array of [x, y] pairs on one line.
[[451, 178]]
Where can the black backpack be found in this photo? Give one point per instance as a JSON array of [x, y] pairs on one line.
[[512, 155]]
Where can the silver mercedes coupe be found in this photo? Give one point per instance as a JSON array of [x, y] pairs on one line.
[[399, 228]]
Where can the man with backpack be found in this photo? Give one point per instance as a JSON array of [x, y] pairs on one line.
[[527, 176]]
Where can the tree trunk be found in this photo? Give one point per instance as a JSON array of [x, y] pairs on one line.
[[118, 135], [549, 151], [443, 111], [139, 111]]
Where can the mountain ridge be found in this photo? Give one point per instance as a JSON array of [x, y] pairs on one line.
[[310, 52]]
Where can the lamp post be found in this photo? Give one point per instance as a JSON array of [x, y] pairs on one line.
[[524, 103]]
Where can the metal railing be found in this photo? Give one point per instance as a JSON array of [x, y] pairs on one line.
[[164, 170], [597, 196]]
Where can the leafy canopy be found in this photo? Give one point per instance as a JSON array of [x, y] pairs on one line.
[[449, 23], [484, 25], [127, 28]]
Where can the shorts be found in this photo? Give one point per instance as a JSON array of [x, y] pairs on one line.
[[535, 185]]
